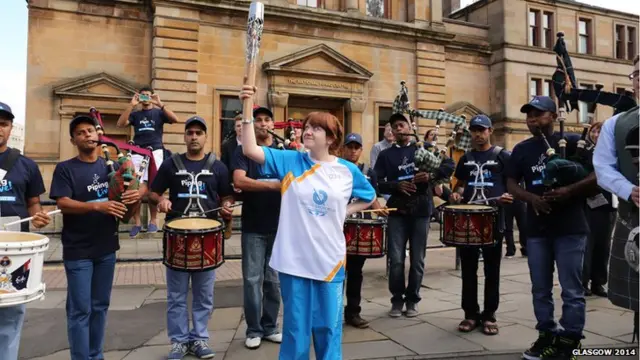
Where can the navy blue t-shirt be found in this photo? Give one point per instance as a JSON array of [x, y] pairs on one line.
[[22, 182], [528, 162], [260, 209], [148, 127], [494, 175], [373, 180], [94, 234], [212, 187]]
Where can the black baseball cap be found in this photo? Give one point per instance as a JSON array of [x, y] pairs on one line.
[[396, 117], [262, 110], [542, 103], [80, 119], [353, 138], [195, 120], [480, 121], [6, 111]]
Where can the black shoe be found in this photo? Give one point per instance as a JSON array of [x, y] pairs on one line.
[[587, 291], [598, 290], [545, 340], [510, 254], [562, 349], [357, 322]]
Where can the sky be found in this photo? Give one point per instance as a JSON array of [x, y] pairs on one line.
[[13, 62]]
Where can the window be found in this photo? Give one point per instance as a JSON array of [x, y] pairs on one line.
[[377, 8], [584, 33], [230, 106], [631, 43], [583, 107], [540, 87], [534, 35], [309, 3], [620, 42], [384, 113], [547, 30]]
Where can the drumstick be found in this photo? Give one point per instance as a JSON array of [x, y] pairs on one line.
[[28, 219], [378, 210], [220, 208]]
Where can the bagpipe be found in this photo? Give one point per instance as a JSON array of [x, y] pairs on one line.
[[126, 177], [287, 142], [428, 157], [561, 171]]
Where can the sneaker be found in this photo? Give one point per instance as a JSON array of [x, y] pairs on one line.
[[562, 349], [274, 338], [357, 322], [135, 231], [152, 228], [201, 349], [545, 340], [396, 310], [178, 351], [412, 310], [252, 343]]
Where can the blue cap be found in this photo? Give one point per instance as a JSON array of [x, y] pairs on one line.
[[195, 120], [542, 103], [6, 111], [480, 121], [353, 137]]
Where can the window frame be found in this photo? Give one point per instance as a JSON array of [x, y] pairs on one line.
[[376, 115], [591, 86], [386, 10], [215, 136], [616, 52], [319, 4], [590, 34], [541, 80], [540, 31], [631, 40]]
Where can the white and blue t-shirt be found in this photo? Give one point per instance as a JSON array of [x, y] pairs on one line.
[[310, 241]]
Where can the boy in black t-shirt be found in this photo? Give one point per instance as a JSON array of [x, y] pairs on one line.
[[482, 152], [148, 125], [214, 190], [260, 213], [20, 188], [556, 232], [89, 238]]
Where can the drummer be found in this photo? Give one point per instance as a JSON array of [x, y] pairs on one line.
[[351, 152], [20, 193], [482, 151], [195, 160]]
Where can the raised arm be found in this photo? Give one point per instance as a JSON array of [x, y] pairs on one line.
[[123, 120], [250, 147]]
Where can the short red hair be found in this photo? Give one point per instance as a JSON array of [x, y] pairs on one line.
[[331, 126]]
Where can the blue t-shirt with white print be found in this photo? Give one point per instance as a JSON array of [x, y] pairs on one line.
[[94, 234], [22, 182], [310, 242]]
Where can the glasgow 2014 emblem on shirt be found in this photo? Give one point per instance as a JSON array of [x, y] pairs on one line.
[[318, 208]]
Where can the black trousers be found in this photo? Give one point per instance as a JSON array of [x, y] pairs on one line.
[[518, 211], [492, 256], [354, 267], [596, 255]]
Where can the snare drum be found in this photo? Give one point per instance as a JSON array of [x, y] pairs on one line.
[[468, 225], [366, 237], [193, 244], [21, 264]]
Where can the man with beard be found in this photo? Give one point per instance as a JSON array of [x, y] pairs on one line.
[[617, 173], [482, 152], [148, 124], [351, 152], [89, 238], [260, 192], [20, 193], [212, 189], [412, 195], [556, 231]]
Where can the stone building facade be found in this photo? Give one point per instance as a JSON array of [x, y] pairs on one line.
[[343, 56]]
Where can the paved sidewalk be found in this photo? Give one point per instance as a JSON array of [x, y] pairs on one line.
[[136, 327]]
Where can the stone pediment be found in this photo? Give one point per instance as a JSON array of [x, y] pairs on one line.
[[100, 85], [318, 61], [464, 108]]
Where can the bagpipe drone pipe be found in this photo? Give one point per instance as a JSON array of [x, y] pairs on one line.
[[560, 170], [290, 142], [428, 157]]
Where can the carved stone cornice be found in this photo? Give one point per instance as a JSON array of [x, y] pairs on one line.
[[277, 99]]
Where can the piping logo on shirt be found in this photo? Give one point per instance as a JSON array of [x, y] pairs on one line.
[[187, 184], [147, 125], [539, 168], [101, 189], [318, 208], [6, 186], [408, 168]]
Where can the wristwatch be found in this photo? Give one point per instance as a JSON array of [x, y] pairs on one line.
[[247, 121]]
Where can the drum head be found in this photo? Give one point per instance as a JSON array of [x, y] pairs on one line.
[[351, 220], [469, 208], [194, 224]]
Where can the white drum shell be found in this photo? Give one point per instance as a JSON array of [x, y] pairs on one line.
[[20, 247]]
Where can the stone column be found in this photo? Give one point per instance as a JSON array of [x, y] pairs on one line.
[[352, 6], [67, 150], [278, 102], [418, 11], [355, 107]]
